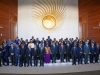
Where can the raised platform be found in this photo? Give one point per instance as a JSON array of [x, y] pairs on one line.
[[55, 68]]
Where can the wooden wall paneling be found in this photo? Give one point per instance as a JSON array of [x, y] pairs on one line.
[[8, 19], [92, 8]]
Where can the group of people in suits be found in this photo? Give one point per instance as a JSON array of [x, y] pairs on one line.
[[22, 52]]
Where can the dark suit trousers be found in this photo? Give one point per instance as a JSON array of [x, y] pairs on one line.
[[86, 58], [16, 59], [96, 57], [67, 57], [58, 55], [3, 59], [62, 57], [91, 58], [54, 57], [35, 60], [41, 60], [0, 60], [7, 60], [23, 60], [29, 59], [12, 59], [74, 59], [80, 57]]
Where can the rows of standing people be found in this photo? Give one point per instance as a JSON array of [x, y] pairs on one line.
[[24, 53]]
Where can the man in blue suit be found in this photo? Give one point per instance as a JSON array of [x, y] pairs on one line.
[[11, 51], [41, 54], [86, 52], [53, 51], [35, 55], [62, 51], [74, 54], [92, 52], [80, 54], [16, 40], [1, 54], [29, 55], [17, 53]]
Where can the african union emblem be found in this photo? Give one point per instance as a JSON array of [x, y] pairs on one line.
[[49, 14]]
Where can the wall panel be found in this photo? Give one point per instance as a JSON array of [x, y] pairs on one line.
[[92, 8], [8, 19]]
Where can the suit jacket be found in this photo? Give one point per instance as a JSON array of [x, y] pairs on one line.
[[86, 49], [74, 51], [68, 49], [22, 51], [1, 52], [6, 51], [92, 50], [29, 52], [41, 52], [35, 52], [26, 45], [97, 50], [57, 46], [17, 51], [62, 50], [53, 49], [12, 50], [16, 41], [80, 49]]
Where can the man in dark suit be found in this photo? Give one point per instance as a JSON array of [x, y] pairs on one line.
[[49, 41], [6, 54], [41, 54], [4, 51], [86, 52], [62, 51], [26, 44], [1, 54], [33, 40], [92, 52], [68, 50], [57, 55], [53, 51], [22, 55], [43, 42], [97, 53], [74, 54], [80, 54], [29, 55], [35, 55], [12, 54]]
